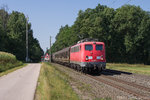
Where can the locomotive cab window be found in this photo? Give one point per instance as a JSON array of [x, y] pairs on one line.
[[88, 47], [99, 47]]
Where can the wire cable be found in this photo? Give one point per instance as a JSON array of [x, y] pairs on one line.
[[128, 1]]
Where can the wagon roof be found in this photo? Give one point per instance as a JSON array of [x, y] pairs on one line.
[[63, 50]]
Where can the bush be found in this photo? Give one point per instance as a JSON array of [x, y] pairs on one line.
[[8, 61]]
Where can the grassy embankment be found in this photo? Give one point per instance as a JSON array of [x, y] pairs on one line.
[[53, 85], [133, 68], [9, 63]]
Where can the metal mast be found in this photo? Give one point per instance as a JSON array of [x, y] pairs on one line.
[[50, 50], [27, 39]]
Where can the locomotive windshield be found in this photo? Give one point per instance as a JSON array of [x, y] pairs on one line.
[[99, 47], [88, 47]]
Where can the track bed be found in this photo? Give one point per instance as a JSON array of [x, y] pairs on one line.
[[110, 84]]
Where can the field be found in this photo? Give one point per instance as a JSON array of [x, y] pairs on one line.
[[53, 85], [133, 68], [8, 61]]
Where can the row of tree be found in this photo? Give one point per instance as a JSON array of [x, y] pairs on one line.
[[13, 36], [125, 31]]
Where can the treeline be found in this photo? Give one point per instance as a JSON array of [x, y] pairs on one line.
[[125, 31], [13, 36]]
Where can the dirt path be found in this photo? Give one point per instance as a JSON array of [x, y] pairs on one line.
[[20, 84]]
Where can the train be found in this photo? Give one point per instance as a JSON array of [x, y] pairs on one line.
[[87, 55]]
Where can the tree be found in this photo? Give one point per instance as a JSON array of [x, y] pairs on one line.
[[16, 33], [3, 22], [125, 32], [13, 37]]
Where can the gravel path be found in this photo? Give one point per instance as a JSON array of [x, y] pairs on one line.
[[89, 89], [20, 84]]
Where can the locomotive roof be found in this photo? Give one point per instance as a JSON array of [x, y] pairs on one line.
[[88, 40]]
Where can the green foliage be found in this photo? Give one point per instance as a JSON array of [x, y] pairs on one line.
[[35, 51], [8, 61], [125, 31], [64, 38], [16, 33], [13, 36]]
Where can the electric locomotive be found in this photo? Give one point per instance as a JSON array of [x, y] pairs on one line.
[[87, 55]]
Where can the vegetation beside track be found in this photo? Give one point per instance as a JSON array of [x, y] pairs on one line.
[[8, 61], [125, 36], [133, 68], [53, 85], [11, 70]]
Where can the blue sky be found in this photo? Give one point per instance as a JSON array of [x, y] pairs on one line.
[[47, 16]]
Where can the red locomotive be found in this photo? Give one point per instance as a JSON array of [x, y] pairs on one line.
[[86, 55]]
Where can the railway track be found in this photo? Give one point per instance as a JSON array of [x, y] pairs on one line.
[[117, 83], [128, 83], [111, 81]]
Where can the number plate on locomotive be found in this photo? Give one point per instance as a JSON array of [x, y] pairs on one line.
[[98, 57], [90, 57]]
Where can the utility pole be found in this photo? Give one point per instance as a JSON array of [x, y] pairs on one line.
[[50, 51], [27, 39]]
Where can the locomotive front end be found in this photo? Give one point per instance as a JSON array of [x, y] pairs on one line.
[[94, 56], [88, 55]]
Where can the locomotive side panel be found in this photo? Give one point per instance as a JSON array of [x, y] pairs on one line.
[[75, 54]]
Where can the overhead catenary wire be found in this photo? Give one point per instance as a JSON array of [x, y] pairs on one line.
[[128, 1], [114, 2]]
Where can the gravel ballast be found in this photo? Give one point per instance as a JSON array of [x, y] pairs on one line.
[[90, 89]]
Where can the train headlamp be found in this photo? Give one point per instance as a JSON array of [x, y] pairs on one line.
[[86, 58]]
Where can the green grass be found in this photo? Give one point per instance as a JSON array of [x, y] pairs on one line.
[[53, 85], [133, 68], [8, 61], [11, 70]]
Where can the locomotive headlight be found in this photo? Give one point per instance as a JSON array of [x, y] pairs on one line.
[[102, 57], [86, 58]]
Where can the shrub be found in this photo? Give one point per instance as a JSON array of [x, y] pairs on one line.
[[8, 61]]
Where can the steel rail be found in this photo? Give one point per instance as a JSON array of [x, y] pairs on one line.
[[137, 94]]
